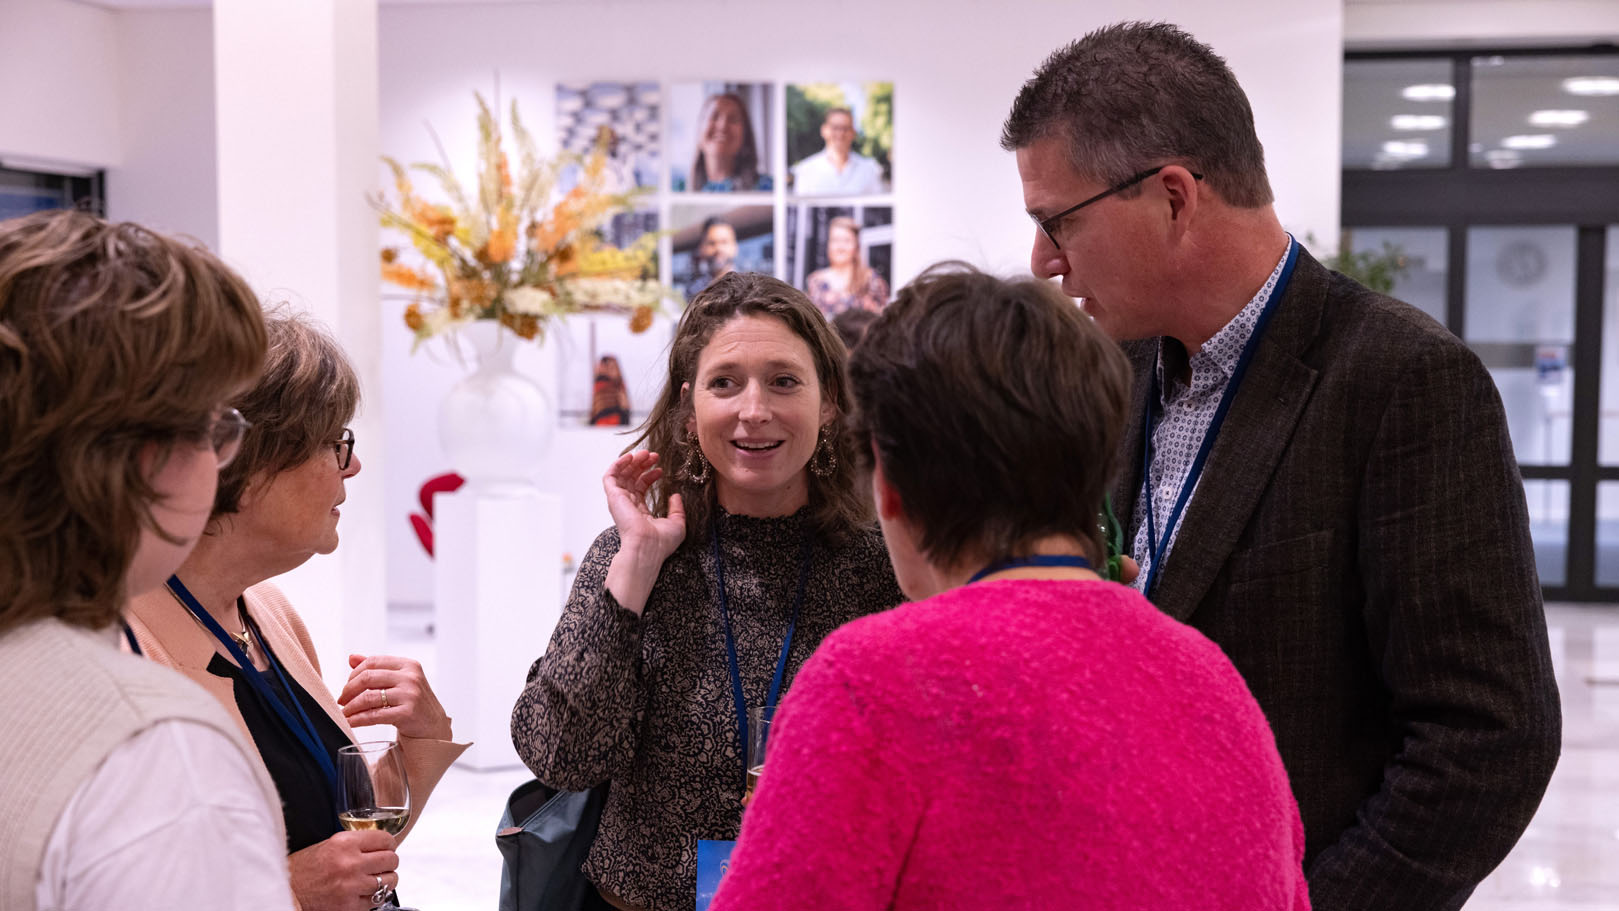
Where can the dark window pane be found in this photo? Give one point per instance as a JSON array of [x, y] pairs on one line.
[[1397, 114], [1539, 111]]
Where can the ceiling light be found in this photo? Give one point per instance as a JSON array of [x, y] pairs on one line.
[[1417, 122], [1503, 158], [1592, 85], [1401, 149], [1431, 91], [1530, 141], [1558, 118]]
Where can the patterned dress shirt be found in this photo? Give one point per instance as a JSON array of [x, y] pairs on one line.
[[1183, 416]]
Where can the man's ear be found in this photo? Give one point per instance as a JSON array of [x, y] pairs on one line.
[[1182, 190]]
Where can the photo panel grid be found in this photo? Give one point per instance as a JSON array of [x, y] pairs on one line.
[[626, 115], [723, 145], [841, 255], [722, 137], [708, 240], [840, 138], [606, 374]]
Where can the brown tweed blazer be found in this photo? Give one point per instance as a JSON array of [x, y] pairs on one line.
[[1359, 547]]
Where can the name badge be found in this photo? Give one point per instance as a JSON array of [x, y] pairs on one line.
[[713, 860]]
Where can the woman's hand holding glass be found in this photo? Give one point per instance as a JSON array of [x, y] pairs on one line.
[[343, 872], [383, 689], [375, 799], [645, 540]]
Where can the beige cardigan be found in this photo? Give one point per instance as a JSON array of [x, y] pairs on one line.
[[169, 635], [67, 700]]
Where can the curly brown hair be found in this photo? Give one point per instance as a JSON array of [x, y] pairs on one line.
[[114, 341], [837, 502]]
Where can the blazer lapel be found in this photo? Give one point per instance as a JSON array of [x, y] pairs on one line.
[[1257, 429]]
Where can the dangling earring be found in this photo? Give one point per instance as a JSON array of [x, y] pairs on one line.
[[696, 465], [825, 459]]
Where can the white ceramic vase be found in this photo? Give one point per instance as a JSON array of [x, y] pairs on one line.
[[495, 424]]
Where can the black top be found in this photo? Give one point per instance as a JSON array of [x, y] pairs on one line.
[[307, 805]]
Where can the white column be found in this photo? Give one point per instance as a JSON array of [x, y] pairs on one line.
[[296, 114]]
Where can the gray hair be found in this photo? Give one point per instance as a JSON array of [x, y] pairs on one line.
[[1136, 95]]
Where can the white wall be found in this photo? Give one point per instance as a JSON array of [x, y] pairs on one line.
[[167, 175], [955, 66], [58, 88], [1396, 23]]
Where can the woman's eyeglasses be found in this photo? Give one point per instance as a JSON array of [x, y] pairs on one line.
[[345, 449], [225, 435]]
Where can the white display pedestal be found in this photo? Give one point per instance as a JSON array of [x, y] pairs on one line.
[[497, 597]]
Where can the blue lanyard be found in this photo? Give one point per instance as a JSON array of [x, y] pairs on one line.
[[1070, 560], [129, 636], [1157, 546], [730, 643], [300, 726]]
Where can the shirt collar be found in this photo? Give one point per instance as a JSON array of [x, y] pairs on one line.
[[1216, 361]]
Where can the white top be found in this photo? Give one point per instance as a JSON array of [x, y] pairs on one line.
[[817, 174], [172, 819]]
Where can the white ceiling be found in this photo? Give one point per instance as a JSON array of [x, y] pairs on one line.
[[198, 4]]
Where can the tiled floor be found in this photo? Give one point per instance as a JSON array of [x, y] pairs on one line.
[[1568, 860]]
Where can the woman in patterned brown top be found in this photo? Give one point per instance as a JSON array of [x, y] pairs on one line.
[[637, 686]]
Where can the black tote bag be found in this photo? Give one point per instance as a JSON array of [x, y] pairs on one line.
[[544, 837]]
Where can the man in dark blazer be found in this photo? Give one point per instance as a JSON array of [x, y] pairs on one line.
[[1354, 535]]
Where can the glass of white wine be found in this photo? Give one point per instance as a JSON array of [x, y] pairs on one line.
[[376, 794], [759, 718]]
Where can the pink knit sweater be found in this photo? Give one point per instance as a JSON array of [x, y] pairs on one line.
[[1020, 744]]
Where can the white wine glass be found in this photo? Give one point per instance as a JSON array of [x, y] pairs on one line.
[[375, 793], [759, 719]]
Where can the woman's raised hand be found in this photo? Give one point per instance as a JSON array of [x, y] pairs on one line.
[[645, 540], [383, 689]]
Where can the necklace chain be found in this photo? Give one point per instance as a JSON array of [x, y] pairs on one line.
[[243, 638]]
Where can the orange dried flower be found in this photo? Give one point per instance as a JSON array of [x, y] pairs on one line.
[[414, 318], [389, 254], [438, 221], [407, 277], [502, 241], [564, 262], [641, 319], [526, 327]]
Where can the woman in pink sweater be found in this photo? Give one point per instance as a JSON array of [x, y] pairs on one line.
[[1024, 734]]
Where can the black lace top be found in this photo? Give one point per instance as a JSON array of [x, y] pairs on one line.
[[646, 701]]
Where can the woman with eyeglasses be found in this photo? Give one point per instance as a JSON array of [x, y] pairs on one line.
[[222, 624], [117, 349]]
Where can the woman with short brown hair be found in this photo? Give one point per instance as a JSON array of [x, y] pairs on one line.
[[121, 785], [1024, 734]]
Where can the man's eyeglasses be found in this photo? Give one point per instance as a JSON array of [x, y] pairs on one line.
[[345, 449], [1048, 226], [225, 435]]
